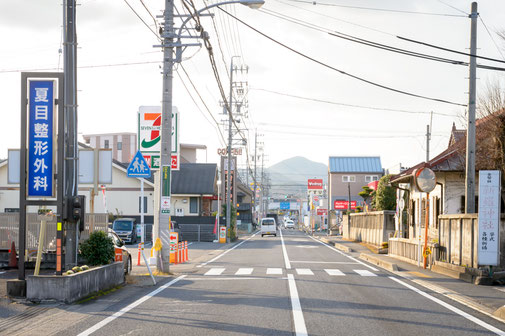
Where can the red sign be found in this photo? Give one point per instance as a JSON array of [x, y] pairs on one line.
[[118, 254], [315, 184], [322, 212], [316, 198], [343, 205]]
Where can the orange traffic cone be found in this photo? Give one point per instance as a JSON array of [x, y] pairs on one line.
[[13, 261]]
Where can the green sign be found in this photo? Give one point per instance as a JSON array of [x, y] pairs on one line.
[[165, 181]]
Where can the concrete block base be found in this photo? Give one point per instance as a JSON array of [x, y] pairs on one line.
[[71, 288], [16, 288]]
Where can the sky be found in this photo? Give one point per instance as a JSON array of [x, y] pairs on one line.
[[119, 70]]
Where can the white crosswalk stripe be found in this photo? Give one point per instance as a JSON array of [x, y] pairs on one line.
[[215, 271], [274, 270], [280, 271], [244, 271], [334, 272], [365, 273], [304, 271]]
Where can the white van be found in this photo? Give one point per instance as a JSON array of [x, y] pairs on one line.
[[268, 227]]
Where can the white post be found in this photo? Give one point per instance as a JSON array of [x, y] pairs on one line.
[[418, 233], [142, 226]]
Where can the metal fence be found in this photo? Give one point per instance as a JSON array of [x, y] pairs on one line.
[[197, 232], [9, 230]]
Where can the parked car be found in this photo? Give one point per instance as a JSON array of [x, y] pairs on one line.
[[121, 250], [125, 228], [268, 227], [289, 224]]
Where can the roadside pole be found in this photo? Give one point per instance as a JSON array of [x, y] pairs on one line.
[[418, 233], [426, 229]]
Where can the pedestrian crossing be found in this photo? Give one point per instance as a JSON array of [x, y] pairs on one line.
[[279, 271]]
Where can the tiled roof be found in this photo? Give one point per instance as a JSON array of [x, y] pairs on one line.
[[355, 164], [194, 178]]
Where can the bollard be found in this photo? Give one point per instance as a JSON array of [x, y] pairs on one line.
[[179, 257], [138, 258], [186, 256]]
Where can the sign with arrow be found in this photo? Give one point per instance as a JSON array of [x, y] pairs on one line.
[[138, 167]]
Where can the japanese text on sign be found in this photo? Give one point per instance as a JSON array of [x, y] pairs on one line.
[[40, 139], [489, 217]]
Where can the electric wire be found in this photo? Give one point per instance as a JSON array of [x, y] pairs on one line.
[[491, 36], [350, 105], [455, 8], [141, 19], [83, 66], [376, 9], [219, 42], [341, 71], [152, 16]]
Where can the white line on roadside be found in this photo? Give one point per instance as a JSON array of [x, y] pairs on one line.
[[342, 253], [224, 278], [451, 308], [284, 252], [126, 309], [299, 321], [228, 250], [2, 272]]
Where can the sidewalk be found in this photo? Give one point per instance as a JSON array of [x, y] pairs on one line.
[[489, 300]]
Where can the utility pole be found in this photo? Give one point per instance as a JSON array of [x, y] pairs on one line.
[[229, 167], [470, 132], [428, 136], [255, 176], [163, 228], [70, 112]]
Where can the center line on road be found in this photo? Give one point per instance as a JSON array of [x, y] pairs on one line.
[[228, 250], [126, 309], [299, 321], [284, 252], [451, 308], [342, 253]]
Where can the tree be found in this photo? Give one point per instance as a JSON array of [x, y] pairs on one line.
[[385, 197], [366, 194]]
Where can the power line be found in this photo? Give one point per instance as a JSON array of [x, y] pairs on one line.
[[376, 9], [455, 8], [491, 36], [84, 66], [140, 18], [350, 105], [341, 71], [152, 16]]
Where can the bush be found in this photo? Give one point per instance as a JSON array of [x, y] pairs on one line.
[[98, 249], [385, 197]]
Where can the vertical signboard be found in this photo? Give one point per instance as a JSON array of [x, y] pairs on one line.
[[149, 136], [489, 217], [40, 149], [224, 177]]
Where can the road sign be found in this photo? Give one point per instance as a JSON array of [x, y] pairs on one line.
[[284, 206], [489, 218], [138, 167]]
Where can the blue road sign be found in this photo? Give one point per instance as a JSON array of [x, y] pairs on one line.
[[138, 167], [284, 205]]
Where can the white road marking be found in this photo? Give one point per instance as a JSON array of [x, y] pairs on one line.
[[126, 309], [284, 252], [298, 320], [274, 270], [2, 272], [304, 271], [334, 272], [364, 273], [451, 308], [244, 271], [307, 246], [345, 255], [215, 271], [324, 262], [228, 250], [223, 278]]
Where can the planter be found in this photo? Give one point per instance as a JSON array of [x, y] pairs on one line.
[[71, 288]]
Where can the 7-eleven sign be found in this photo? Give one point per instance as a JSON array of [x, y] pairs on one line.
[[149, 135]]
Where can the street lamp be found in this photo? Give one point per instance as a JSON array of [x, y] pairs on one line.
[[168, 45]]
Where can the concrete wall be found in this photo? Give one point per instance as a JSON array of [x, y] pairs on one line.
[[372, 227], [71, 288]]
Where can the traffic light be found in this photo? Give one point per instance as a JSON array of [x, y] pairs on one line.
[[77, 209]]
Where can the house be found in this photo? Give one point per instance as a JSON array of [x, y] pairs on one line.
[[347, 175]]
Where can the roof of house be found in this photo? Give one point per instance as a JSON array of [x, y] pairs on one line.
[[355, 164], [194, 178]]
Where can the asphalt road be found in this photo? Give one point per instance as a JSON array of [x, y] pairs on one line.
[[287, 285]]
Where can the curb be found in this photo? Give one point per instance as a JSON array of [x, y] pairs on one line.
[[339, 246], [379, 262]]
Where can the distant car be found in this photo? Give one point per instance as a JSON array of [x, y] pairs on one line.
[[125, 228], [289, 224], [268, 227], [121, 250]]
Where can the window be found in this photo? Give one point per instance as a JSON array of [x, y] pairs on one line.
[[348, 178], [193, 205], [119, 146], [371, 178], [145, 204], [106, 144]]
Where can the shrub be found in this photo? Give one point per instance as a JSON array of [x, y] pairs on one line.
[[385, 197], [98, 249]]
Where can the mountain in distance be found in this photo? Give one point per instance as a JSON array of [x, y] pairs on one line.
[[289, 177]]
